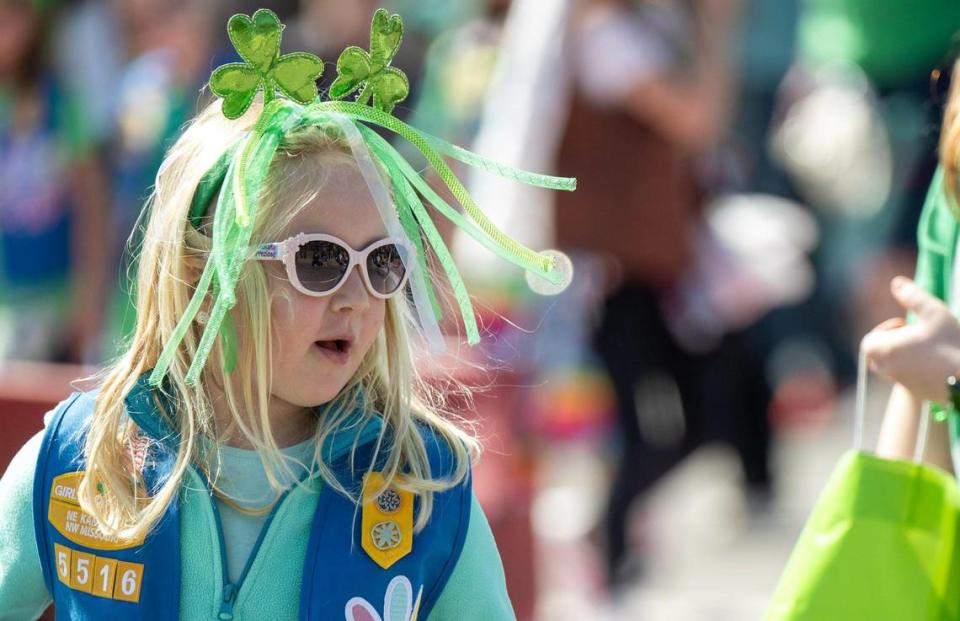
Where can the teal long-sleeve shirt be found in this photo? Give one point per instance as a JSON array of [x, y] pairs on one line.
[[476, 588]]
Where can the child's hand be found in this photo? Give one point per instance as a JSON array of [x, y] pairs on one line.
[[919, 356]]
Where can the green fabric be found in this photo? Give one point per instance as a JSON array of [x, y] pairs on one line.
[[208, 187], [874, 35], [881, 544], [937, 236], [476, 589], [241, 476], [937, 242], [23, 595], [271, 590]]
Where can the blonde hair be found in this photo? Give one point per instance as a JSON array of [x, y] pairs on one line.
[[950, 141], [172, 255]]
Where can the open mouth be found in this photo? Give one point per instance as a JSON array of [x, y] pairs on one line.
[[336, 346]]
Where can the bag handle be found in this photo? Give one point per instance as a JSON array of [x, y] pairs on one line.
[[861, 412]]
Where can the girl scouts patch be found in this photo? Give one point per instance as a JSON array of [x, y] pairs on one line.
[[70, 521], [398, 604], [387, 528]]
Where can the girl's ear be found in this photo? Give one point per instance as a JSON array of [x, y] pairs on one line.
[[195, 252], [193, 266]]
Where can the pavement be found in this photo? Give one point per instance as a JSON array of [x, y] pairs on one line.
[[711, 554]]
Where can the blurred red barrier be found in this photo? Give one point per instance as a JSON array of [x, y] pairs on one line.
[[503, 483], [503, 479], [27, 391]]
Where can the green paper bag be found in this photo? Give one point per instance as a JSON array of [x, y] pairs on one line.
[[882, 542], [881, 545]]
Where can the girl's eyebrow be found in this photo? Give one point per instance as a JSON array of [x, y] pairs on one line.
[[375, 239]]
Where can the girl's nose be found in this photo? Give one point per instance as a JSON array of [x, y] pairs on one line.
[[353, 295]]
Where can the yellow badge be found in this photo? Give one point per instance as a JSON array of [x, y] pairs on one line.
[[387, 530], [66, 516]]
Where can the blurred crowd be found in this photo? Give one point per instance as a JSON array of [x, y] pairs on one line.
[[750, 177], [92, 93]]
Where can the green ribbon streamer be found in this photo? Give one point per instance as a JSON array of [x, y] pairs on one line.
[[408, 196], [395, 163], [238, 203], [567, 184], [409, 223], [394, 158], [232, 229], [514, 251]]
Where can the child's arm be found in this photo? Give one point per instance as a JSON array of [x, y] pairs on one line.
[[899, 431], [919, 356], [477, 588], [23, 594]]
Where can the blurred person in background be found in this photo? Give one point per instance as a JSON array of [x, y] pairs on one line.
[[458, 69], [172, 50], [652, 92], [857, 132], [792, 336], [89, 54], [52, 201]]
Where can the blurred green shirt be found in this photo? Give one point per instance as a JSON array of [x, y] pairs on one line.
[[893, 41]]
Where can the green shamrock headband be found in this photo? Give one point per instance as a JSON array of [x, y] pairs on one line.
[[240, 173]]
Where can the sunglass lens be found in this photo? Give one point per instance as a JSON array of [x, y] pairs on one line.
[[321, 265], [386, 268]]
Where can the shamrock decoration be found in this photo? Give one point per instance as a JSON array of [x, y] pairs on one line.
[[356, 67], [257, 40]]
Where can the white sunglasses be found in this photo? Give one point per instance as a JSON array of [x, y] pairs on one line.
[[317, 264]]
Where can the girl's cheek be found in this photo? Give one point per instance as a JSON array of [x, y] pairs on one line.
[[373, 325], [295, 310], [379, 317], [282, 312]]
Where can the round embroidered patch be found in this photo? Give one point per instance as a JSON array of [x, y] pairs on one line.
[[388, 501], [386, 535]]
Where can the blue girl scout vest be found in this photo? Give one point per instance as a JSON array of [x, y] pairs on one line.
[[354, 557]]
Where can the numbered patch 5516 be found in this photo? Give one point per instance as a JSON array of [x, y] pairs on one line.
[[97, 575]]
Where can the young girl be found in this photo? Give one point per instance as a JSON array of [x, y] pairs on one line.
[[922, 355], [265, 447]]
